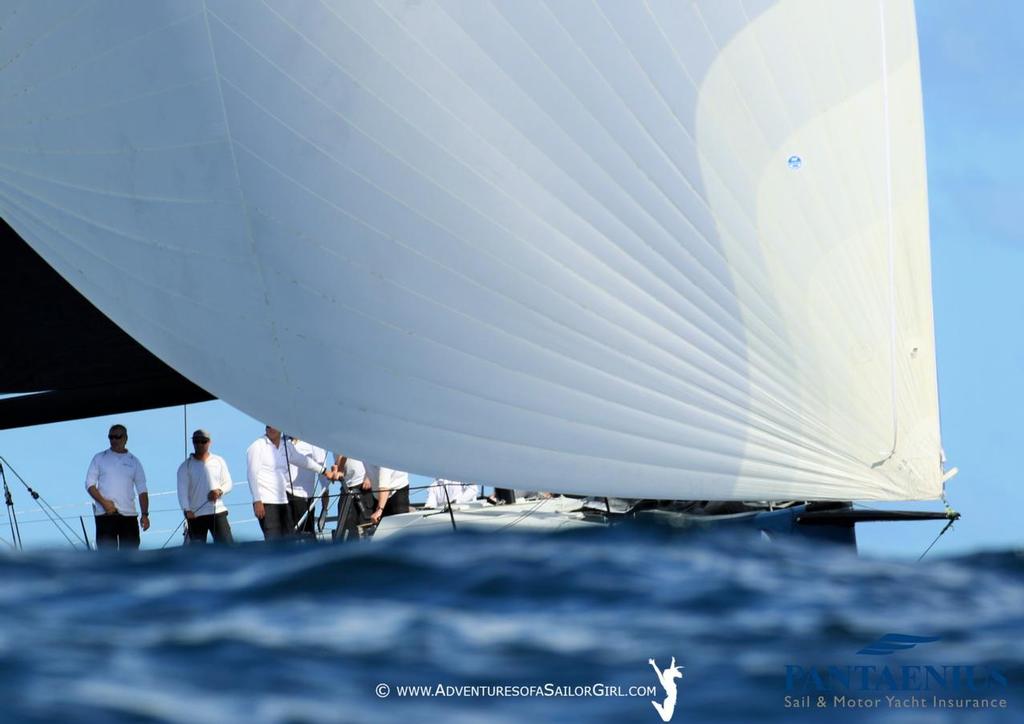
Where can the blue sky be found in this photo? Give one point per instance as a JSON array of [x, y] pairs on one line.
[[975, 143]]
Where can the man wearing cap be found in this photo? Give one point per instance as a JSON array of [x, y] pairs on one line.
[[269, 461], [203, 479], [113, 479]]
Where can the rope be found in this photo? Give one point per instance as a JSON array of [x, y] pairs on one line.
[[948, 526], [522, 516], [173, 532], [43, 505]]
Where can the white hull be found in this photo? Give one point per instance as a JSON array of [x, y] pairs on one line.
[[535, 516]]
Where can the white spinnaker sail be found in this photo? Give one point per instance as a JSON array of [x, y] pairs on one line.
[[661, 249]]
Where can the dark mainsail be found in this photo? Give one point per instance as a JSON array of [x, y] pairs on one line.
[[63, 357]]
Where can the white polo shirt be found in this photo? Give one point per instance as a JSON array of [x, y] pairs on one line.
[[304, 482], [268, 473], [118, 477], [196, 478], [386, 478], [355, 471]]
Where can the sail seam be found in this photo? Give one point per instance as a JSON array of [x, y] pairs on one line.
[[244, 204]]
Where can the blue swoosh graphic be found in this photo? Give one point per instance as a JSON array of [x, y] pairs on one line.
[[895, 642]]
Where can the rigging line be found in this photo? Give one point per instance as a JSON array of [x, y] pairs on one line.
[[15, 535], [948, 526], [65, 519], [522, 516], [173, 532], [165, 510], [88, 546], [311, 500], [84, 504], [41, 502], [184, 521], [451, 513]]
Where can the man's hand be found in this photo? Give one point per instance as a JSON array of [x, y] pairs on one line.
[[190, 515], [214, 495], [258, 509], [108, 506], [377, 514], [145, 521], [366, 484]]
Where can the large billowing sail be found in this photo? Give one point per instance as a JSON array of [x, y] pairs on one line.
[[661, 249]]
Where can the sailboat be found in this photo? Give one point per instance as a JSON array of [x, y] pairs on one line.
[[648, 250]]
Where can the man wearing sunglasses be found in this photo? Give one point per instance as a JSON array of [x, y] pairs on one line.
[[113, 479], [203, 479], [271, 461]]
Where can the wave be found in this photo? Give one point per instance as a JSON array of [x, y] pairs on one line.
[[304, 633]]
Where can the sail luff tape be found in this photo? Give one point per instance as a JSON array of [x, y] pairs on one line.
[[889, 231]]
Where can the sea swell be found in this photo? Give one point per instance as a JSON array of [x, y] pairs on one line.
[[299, 633]]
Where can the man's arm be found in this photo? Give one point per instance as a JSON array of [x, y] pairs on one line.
[[252, 467], [296, 457], [92, 482], [383, 493], [144, 508], [183, 498], [252, 470], [224, 484], [301, 459], [139, 479], [108, 505]]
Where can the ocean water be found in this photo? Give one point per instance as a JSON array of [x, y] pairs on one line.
[[304, 633]]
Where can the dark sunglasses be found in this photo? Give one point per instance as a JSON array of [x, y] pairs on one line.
[[115, 437], [200, 439]]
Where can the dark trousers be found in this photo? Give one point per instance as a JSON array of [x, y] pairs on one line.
[[398, 502], [215, 524], [117, 531], [277, 522], [355, 506], [298, 506]]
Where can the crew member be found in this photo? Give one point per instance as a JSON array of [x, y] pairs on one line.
[[302, 492], [441, 492], [113, 479], [391, 488], [268, 461], [203, 479], [361, 502]]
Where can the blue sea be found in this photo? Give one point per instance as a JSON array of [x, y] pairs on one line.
[[509, 628]]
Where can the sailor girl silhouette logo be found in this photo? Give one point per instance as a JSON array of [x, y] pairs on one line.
[[667, 680]]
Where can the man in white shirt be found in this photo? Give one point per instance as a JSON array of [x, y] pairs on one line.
[[442, 491], [391, 488], [269, 460], [113, 479], [359, 502], [203, 479], [302, 494]]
